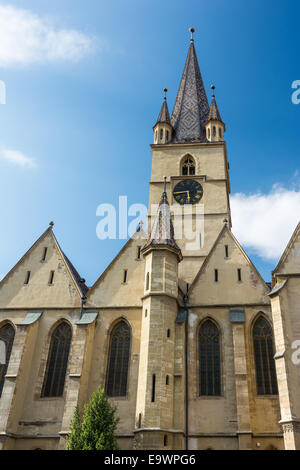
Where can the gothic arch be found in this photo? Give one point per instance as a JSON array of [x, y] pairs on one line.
[[262, 340], [209, 358], [7, 335], [118, 362], [60, 337], [187, 166]]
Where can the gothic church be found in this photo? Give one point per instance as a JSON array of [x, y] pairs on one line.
[[189, 342]]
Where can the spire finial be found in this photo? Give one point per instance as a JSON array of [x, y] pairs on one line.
[[165, 185], [51, 224], [192, 30], [213, 90], [165, 92]]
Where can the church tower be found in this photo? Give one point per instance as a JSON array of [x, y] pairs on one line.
[[189, 148]]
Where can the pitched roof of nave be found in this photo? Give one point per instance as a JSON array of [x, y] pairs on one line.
[[164, 115], [162, 231], [191, 108], [289, 262], [215, 260], [79, 282]]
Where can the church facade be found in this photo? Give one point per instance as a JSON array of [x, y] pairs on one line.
[[187, 339]]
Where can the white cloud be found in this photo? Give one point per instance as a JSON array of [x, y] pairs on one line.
[[25, 38], [264, 223], [17, 158]]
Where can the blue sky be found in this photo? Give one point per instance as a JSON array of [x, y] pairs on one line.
[[83, 115]]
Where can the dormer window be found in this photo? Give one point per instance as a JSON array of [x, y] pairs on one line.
[[188, 167]]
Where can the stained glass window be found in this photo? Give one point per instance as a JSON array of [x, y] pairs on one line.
[[209, 360], [264, 357], [118, 365], [57, 361], [7, 335]]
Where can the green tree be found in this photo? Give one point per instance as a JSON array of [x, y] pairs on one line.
[[97, 429], [75, 437]]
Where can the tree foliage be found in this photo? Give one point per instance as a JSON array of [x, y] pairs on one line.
[[96, 430]]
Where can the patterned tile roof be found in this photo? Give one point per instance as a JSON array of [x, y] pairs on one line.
[[164, 115], [162, 232], [191, 107]]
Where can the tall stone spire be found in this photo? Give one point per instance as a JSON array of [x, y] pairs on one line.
[[162, 232], [191, 107]]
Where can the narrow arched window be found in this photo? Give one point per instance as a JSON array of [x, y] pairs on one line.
[[147, 281], [7, 335], [209, 360], [57, 362], [264, 357], [220, 132], [118, 364], [188, 167], [214, 131]]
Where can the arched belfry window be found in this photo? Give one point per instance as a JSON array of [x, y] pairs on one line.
[[57, 362], [188, 166], [7, 335], [264, 357], [118, 364], [209, 360]]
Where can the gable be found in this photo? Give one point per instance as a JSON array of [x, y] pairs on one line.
[[290, 260], [38, 292], [228, 290], [110, 290]]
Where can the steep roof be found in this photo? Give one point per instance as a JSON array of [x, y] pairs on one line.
[[191, 107], [164, 115], [162, 232], [214, 114]]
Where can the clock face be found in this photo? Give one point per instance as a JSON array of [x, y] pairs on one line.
[[188, 192]]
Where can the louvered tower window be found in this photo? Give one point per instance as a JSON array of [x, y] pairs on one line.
[[57, 363], [209, 360], [117, 375], [7, 335], [264, 357], [188, 167]]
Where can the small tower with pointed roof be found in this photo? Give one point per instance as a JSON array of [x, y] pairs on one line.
[[154, 408], [214, 126], [163, 128]]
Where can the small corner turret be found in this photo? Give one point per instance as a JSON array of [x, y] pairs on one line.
[[215, 127], [163, 128]]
